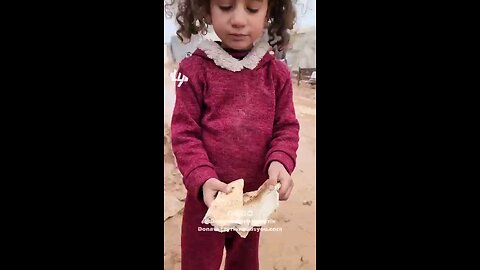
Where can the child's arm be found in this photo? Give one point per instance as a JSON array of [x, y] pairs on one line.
[[284, 143], [192, 158]]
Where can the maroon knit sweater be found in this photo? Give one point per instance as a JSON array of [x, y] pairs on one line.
[[231, 125]]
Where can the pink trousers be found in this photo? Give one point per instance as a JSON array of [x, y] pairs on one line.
[[202, 249]]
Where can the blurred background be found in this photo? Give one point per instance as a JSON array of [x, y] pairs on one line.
[[294, 246]]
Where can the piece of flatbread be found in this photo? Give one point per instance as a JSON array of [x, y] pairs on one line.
[[224, 212], [258, 205], [254, 209]]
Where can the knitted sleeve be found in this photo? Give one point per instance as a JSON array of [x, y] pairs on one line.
[[192, 158], [284, 143]]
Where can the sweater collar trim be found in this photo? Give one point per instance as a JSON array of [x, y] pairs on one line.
[[223, 59]]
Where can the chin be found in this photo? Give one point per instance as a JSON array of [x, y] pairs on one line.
[[240, 45]]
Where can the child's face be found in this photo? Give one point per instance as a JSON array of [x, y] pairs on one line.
[[238, 23]]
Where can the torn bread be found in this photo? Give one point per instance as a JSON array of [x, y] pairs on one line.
[[226, 214]]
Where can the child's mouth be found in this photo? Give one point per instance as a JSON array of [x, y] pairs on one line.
[[238, 37]]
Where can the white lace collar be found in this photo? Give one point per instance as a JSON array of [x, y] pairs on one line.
[[226, 61]]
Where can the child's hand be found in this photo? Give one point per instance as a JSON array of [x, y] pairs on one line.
[[210, 189], [278, 173]]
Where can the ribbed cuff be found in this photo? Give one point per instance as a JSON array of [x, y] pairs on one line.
[[197, 178], [283, 158]]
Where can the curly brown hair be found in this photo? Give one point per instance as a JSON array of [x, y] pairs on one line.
[[191, 16]]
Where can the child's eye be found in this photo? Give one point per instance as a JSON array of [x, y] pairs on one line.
[[225, 8], [252, 10]]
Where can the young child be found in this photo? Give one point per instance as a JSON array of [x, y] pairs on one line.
[[233, 118]]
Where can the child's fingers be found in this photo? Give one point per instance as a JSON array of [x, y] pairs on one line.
[[287, 194], [283, 191], [208, 199], [287, 183], [212, 190], [273, 173], [227, 189], [221, 186], [271, 183]]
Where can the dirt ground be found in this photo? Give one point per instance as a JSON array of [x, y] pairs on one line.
[[294, 246]]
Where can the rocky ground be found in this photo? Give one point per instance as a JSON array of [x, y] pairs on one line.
[[294, 246]]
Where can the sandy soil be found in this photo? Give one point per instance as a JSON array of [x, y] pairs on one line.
[[294, 246]]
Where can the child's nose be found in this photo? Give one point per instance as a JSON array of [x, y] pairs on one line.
[[239, 18]]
